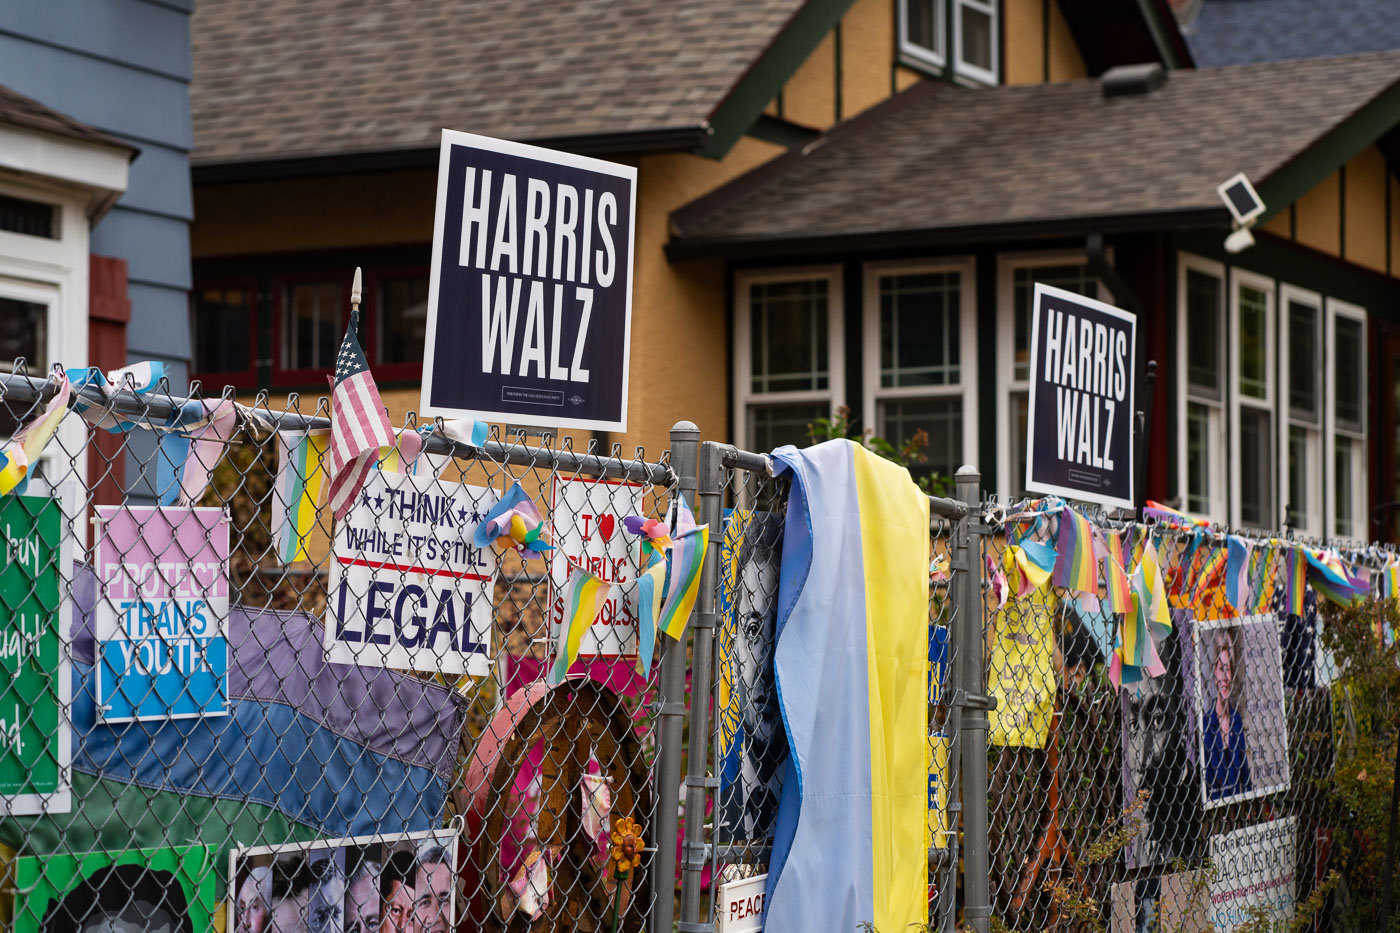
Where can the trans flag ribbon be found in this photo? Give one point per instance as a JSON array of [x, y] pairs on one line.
[[850, 662], [584, 595], [1237, 573], [29, 443]]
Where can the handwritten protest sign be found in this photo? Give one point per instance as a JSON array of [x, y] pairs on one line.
[[408, 589], [162, 641], [1254, 875], [35, 683], [587, 532]]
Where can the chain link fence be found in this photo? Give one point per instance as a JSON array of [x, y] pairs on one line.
[[221, 709]]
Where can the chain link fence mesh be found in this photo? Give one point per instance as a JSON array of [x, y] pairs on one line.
[[180, 751]]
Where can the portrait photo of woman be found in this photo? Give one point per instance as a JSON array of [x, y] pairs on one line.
[[1224, 752]]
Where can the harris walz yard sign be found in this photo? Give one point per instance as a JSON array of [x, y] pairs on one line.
[[1079, 440], [530, 299]]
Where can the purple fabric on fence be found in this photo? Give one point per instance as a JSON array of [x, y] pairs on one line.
[[277, 657]]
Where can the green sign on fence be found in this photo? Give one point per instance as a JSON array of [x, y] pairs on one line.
[[35, 574], [154, 890]]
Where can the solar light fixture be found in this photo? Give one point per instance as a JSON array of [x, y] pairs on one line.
[[1242, 200], [1245, 206]]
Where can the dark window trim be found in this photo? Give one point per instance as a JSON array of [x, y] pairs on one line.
[[369, 336], [212, 382]]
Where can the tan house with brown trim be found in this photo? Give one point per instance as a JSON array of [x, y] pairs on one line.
[[316, 133]]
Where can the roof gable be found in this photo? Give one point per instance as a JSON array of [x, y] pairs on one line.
[[942, 164]]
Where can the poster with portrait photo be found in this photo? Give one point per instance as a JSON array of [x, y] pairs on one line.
[[753, 747], [366, 884], [1159, 758], [1241, 730]]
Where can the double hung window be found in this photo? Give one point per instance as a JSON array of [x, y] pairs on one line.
[[928, 28]]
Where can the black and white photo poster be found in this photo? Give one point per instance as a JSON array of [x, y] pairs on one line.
[[530, 296], [1079, 433]]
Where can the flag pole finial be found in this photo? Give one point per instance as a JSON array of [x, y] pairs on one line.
[[355, 292]]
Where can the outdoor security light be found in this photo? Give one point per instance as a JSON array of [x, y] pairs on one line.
[[1239, 241], [1242, 200]]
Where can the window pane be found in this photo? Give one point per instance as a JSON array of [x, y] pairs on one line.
[[1203, 369], [919, 329], [1254, 373], [1020, 404], [32, 218], [1299, 480], [789, 336], [403, 319], [1350, 371], [314, 325], [1256, 466], [222, 324], [900, 420], [1198, 458], [772, 426], [1344, 488], [977, 35], [1073, 278], [24, 328], [924, 19], [1302, 361]]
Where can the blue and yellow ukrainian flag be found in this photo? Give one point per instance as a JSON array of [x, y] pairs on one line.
[[852, 835]]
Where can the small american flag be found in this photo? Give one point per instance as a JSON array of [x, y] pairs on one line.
[[359, 426]]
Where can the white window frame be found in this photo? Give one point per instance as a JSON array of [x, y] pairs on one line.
[[54, 272], [966, 387], [1331, 430], [1007, 265], [744, 396], [962, 68], [1216, 482], [1310, 519], [937, 58], [1240, 278]]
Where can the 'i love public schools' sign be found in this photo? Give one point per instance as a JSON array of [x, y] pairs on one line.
[[530, 300], [1079, 440]]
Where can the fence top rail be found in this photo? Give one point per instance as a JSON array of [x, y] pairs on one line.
[[160, 404], [736, 459]]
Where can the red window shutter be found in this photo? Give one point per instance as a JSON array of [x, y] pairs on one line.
[[109, 311]]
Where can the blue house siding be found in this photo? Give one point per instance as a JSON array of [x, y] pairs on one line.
[[124, 66]]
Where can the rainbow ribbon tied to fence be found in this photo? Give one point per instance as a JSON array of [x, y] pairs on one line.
[[1110, 546], [584, 596], [299, 491], [26, 446], [1136, 656], [1170, 517], [1390, 580], [1261, 575], [1297, 580], [1076, 566], [850, 662], [1329, 576], [514, 522]]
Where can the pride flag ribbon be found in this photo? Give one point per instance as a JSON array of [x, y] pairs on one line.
[[651, 582], [403, 456], [1170, 517], [1120, 593], [685, 559], [30, 442], [300, 482], [1075, 565], [514, 521], [1261, 578], [1329, 577], [1034, 560], [1236, 572], [1390, 580], [584, 596], [1297, 580]]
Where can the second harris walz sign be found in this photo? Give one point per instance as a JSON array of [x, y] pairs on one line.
[[1079, 441], [530, 299]]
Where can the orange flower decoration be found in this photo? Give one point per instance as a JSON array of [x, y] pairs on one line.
[[627, 844]]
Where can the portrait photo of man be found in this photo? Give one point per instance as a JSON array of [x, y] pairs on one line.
[[122, 899], [307, 895], [362, 901], [432, 891], [397, 880]]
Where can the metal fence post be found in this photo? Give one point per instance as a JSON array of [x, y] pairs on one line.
[[685, 440], [698, 780], [973, 724]]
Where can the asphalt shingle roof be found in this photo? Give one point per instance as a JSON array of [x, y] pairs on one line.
[[1238, 32], [277, 79], [18, 110], [944, 157]]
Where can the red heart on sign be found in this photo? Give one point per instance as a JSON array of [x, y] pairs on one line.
[[605, 526]]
